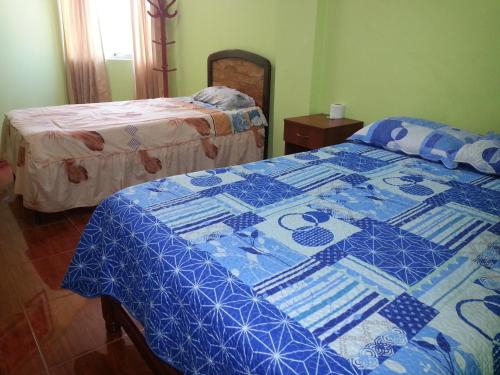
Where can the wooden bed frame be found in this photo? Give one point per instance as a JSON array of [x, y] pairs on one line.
[[246, 72], [243, 71], [116, 318]]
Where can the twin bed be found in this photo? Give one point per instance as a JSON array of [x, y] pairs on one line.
[[76, 155]]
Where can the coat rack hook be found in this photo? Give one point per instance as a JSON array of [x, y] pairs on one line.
[[167, 10], [153, 5]]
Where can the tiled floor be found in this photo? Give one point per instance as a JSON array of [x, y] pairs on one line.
[[44, 329]]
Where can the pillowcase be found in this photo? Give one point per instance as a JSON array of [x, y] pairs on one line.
[[483, 154], [430, 140], [492, 136], [224, 98]]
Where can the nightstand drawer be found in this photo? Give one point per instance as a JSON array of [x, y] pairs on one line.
[[305, 136], [309, 132]]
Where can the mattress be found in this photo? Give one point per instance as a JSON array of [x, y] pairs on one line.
[[349, 259], [76, 155]]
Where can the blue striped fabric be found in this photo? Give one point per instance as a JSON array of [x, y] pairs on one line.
[[349, 259]]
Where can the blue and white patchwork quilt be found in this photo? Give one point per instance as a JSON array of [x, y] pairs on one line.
[[349, 259]]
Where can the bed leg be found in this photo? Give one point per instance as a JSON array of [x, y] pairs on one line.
[[108, 313], [38, 218]]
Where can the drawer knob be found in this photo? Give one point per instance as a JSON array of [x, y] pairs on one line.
[[301, 135]]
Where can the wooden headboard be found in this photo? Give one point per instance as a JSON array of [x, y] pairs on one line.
[[246, 72]]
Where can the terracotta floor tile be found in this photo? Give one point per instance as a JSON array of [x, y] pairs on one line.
[[18, 351], [27, 218], [51, 239], [12, 243], [55, 328], [9, 305], [67, 327], [46, 274], [119, 357], [80, 216]]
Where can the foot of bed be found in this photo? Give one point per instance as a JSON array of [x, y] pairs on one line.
[[108, 313], [117, 318]]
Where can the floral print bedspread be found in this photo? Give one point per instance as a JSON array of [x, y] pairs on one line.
[[68, 144]]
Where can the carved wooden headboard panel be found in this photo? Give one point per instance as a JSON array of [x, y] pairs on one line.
[[245, 72]]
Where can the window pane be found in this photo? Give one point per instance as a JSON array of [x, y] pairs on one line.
[[116, 28]]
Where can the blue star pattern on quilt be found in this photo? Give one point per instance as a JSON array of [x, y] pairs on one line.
[[349, 259], [258, 190], [401, 254], [352, 161]]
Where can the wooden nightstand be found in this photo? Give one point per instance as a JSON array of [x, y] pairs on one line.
[[314, 131]]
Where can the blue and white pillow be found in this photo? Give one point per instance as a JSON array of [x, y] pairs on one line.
[[483, 154], [492, 136], [224, 98], [430, 140]]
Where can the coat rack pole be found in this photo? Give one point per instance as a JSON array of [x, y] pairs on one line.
[[161, 11], [164, 60]]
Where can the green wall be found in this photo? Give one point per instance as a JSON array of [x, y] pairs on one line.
[[281, 30], [31, 59], [433, 59], [121, 79], [31, 63]]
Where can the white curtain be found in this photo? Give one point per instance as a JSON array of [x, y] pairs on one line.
[[86, 75], [145, 29]]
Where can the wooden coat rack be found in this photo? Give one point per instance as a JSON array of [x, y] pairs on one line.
[[162, 12]]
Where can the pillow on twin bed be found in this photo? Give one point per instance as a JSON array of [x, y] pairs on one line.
[[483, 154], [224, 98], [430, 140]]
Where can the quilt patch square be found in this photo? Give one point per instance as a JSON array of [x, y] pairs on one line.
[[451, 225], [371, 201], [415, 187], [198, 181], [494, 184], [155, 192], [312, 178], [306, 228], [251, 255], [495, 229], [471, 196], [409, 314], [401, 254], [353, 162], [437, 170], [258, 190], [331, 255], [244, 221], [355, 148], [354, 179], [273, 167], [194, 215], [371, 342]]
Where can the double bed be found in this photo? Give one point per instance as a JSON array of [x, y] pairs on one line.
[[350, 259], [76, 155]]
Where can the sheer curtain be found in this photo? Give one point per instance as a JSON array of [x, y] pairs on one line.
[[145, 56], [86, 75]]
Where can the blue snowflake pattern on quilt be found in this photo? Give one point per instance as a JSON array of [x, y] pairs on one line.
[[344, 260], [401, 254], [258, 190], [354, 162]]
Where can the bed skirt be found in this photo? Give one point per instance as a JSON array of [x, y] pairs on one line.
[[62, 185]]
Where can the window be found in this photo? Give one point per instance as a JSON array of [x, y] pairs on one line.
[[116, 29]]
